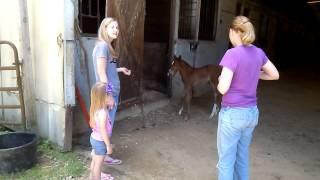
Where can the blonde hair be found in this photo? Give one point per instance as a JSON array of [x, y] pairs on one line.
[[243, 25], [103, 35], [98, 100]]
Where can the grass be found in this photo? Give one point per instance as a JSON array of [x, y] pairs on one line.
[[52, 164]]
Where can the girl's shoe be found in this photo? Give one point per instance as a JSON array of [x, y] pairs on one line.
[[110, 161], [105, 176]]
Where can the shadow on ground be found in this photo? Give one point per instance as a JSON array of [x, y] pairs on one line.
[[285, 146]]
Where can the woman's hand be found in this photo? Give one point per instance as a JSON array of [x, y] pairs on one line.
[[110, 102], [125, 71], [269, 72]]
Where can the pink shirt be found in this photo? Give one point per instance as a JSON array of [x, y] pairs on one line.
[[96, 131]]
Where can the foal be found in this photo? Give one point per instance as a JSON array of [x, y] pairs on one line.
[[192, 76]]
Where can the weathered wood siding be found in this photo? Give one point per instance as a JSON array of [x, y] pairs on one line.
[[130, 15]]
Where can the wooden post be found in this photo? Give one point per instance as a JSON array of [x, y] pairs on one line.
[[27, 64]]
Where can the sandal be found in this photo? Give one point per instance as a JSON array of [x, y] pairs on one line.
[[105, 176], [111, 161]]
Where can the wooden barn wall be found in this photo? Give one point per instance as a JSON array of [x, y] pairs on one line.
[[130, 15]]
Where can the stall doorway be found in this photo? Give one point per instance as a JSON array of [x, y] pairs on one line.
[[156, 44]]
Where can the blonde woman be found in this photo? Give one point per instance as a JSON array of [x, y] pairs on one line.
[[243, 66], [105, 61]]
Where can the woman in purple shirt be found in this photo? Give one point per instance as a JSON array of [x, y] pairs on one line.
[[243, 66]]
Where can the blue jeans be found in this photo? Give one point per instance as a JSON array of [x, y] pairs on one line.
[[99, 147], [235, 129], [113, 111]]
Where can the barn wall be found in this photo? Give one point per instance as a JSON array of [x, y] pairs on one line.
[[44, 25], [85, 78], [47, 34]]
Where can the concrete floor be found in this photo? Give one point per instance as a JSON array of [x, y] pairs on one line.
[[286, 143]]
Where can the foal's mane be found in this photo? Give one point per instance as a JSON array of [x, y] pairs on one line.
[[183, 63]]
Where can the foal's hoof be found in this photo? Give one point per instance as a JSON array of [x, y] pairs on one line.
[[212, 115], [186, 118]]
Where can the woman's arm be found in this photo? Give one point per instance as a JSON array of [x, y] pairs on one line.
[[101, 69], [103, 118], [269, 72], [225, 80]]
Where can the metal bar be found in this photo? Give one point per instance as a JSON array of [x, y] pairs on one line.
[[19, 83], [7, 68], [90, 9], [9, 123], [2, 97], [9, 88], [10, 106], [89, 16], [313, 2], [98, 13], [80, 14]]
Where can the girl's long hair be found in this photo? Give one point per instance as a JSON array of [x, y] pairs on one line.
[[98, 101], [243, 25], [103, 36]]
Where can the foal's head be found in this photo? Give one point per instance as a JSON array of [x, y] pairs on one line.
[[174, 65]]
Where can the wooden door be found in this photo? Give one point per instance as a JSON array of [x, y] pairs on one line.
[[130, 16]]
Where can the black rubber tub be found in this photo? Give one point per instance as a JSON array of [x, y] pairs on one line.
[[17, 151]]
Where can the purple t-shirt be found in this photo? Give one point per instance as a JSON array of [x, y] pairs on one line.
[[245, 62]]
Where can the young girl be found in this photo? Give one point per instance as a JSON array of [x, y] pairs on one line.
[[101, 129], [105, 67], [243, 66]]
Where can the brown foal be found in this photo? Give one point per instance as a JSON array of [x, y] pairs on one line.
[[192, 76]]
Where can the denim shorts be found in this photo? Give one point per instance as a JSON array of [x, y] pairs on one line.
[[99, 147]]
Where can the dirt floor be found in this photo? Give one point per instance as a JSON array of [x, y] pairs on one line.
[[286, 144]]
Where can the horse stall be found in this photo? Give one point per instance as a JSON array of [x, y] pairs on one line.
[[286, 141], [57, 73], [152, 32], [156, 45]]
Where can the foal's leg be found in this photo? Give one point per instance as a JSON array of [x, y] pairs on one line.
[[183, 100], [215, 107], [218, 101], [182, 104], [187, 101]]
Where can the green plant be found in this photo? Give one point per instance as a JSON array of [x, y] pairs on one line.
[[52, 164]]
